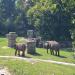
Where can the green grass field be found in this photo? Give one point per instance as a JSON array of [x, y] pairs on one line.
[[66, 54], [19, 67]]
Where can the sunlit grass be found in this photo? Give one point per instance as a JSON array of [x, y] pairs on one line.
[[19, 67], [66, 54]]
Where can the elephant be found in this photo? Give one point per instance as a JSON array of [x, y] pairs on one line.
[[54, 47], [19, 48]]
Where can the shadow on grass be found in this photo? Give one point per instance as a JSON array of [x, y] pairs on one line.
[[36, 54], [62, 56]]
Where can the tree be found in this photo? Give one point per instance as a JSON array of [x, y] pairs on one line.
[[6, 16], [51, 18], [12, 18]]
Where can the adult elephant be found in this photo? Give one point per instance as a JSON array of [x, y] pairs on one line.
[[54, 47]]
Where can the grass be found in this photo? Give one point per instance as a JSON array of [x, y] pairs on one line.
[[3, 41], [66, 54], [18, 67]]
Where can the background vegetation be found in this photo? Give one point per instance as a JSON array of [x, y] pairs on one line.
[[52, 19]]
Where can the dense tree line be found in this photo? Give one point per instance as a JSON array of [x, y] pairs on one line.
[[51, 19]]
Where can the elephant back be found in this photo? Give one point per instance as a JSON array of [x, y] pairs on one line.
[[54, 45], [20, 46]]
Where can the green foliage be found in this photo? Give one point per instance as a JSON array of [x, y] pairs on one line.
[[53, 19], [12, 17]]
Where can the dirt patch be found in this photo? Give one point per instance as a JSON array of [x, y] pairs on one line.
[[4, 71]]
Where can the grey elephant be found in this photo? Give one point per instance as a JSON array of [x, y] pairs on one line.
[[54, 47], [20, 48]]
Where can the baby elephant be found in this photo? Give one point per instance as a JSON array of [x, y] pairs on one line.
[[20, 48]]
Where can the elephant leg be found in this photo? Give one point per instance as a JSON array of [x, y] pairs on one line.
[[47, 50], [58, 53], [51, 51], [15, 52], [18, 52], [23, 53]]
